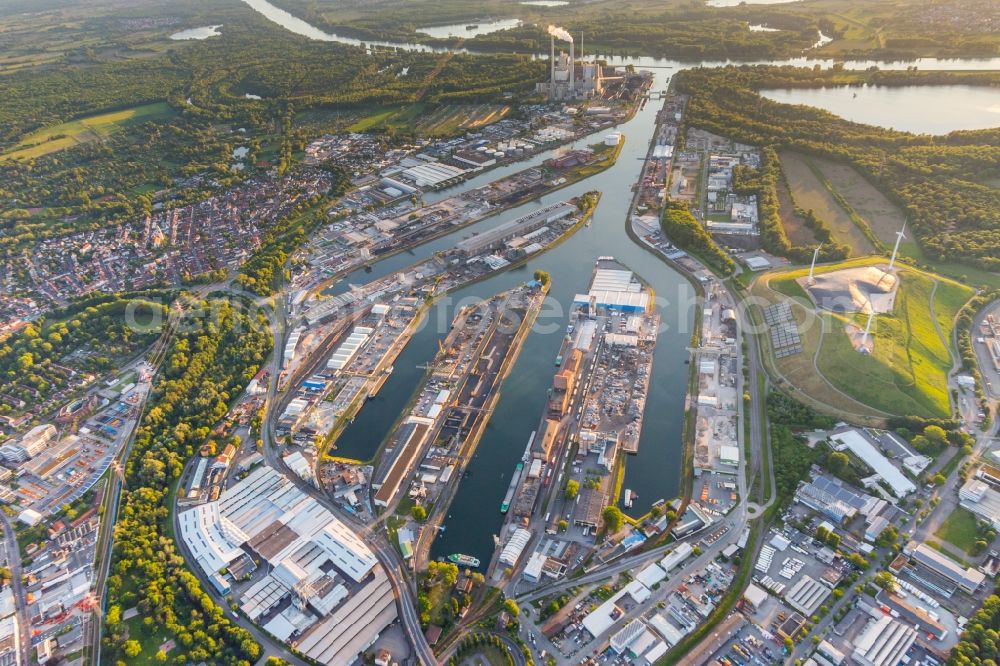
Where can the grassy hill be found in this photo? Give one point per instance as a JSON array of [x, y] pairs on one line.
[[908, 370]]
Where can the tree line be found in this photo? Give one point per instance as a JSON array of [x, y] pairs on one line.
[[184, 153], [206, 367], [682, 229], [89, 337]]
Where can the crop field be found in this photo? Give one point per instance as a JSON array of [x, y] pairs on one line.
[[883, 217], [907, 372], [91, 128], [809, 193], [795, 226], [443, 121]]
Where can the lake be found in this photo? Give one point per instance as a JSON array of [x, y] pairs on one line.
[[917, 109], [466, 29], [204, 32]]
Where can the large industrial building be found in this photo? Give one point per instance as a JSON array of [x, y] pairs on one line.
[[322, 586], [979, 497], [858, 443], [497, 236], [30, 445], [837, 501], [941, 573], [614, 289], [568, 79], [884, 642]]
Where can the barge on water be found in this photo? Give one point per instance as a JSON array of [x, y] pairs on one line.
[[505, 505], [467, 561]]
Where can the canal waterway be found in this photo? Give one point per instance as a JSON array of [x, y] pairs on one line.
[[654, 473]]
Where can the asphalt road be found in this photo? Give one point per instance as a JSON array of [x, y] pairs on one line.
[[20, 600]]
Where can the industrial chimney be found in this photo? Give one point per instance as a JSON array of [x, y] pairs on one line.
[[552, 63], [572, 70]]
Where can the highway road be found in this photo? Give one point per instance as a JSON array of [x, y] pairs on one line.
[[13, 557]]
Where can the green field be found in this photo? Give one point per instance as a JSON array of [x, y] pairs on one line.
[[91, 128], [810, 193], [907, 372], [960, 529], [426, 120], [884, 218]]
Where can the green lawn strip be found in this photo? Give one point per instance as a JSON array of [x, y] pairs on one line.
[[373, 119], [64, 135], [960, 529]]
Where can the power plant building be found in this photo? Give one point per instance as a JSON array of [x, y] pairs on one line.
[[569, 80]]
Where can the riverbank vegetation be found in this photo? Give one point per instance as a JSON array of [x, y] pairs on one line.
[[206, 367], [936, 180], [683, 230], [856, 28]]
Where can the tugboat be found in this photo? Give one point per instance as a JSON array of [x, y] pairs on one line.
[[464, 560]]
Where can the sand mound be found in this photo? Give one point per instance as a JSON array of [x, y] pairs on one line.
[[860, 289]]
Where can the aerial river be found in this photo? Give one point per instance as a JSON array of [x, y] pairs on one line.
[[654, 473]]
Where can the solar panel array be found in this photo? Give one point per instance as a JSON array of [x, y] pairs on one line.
[[831, 486], [785, 338]]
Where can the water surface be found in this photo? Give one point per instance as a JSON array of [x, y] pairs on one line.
[[204, 32], [474, 516], [917, 109], [466, 29]]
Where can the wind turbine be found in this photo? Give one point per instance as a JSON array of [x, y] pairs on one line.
[[812, 267], [900, 235], [868, 327]]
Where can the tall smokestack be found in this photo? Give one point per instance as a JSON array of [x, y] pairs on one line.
[[552, 63], [572, 69]]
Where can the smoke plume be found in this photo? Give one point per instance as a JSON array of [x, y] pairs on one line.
[[560, 33]]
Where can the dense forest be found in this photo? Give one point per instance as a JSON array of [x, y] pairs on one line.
[[58, 351], [939, 181], [205, 369], [981, 639], [792, 458], [687, 31]]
